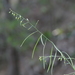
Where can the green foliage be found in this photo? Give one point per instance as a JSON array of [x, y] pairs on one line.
[[43, 38]]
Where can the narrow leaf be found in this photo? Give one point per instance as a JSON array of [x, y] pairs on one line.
[[50, 62], [42, 39], [53, 63], [27, 38], [36, 23], [35, 46], [43, 54]]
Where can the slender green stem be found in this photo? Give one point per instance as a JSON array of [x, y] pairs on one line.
[[48, 40], [22, 19]]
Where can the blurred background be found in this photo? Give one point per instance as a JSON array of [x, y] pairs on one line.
[[56, 21]]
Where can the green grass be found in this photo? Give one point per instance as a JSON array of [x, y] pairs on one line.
[[43, 38]]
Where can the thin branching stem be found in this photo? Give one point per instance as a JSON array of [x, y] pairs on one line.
[[51, 63]]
